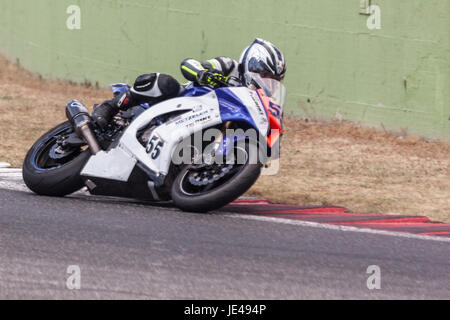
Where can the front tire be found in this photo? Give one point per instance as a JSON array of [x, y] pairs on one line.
[[54, 177], [220, 195]]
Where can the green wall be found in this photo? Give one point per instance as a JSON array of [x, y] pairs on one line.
[[398, 76]]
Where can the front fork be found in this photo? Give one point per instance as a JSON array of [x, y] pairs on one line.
[[209, 155]]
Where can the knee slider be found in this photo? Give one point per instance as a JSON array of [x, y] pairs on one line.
[[144, 82]]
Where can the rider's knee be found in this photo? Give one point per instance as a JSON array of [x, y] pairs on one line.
[[155, 87], [169, 86]]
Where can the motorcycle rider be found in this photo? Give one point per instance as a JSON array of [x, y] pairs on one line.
[[260, 59]]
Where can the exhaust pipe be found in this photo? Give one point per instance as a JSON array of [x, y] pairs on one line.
[[79, 117]]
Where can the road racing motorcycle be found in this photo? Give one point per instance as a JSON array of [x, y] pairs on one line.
[[135, 156]]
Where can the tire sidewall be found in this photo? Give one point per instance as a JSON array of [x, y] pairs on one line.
[[220, 196], [57, 181]]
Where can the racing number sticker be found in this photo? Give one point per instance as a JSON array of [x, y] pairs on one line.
[[154, 147], [275, 110]]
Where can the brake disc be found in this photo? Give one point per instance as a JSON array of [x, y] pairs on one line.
[[210, 175], [57, 152]]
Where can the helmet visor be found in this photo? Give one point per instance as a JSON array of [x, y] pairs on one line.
[[272, 88], [264, 69]]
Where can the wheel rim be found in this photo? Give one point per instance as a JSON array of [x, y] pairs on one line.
[[202, 179], [49, 156]]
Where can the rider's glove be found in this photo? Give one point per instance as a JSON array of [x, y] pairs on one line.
[[215, 79]]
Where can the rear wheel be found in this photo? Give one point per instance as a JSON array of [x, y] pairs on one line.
[[202, 188], [51, 169]]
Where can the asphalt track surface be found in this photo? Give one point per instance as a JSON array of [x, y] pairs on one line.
[[131, 250]]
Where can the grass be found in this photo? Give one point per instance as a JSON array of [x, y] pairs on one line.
[[323, 163]]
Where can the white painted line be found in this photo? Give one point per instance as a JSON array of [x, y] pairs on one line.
[[5, 165], [12, 185], [336, 227], [10, 170], [11, 179]]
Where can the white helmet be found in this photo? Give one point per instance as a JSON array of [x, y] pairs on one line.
[[261, 59]]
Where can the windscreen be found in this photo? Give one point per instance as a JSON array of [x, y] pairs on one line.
[[271, 88]]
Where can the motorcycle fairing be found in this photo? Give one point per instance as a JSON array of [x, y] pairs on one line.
[[118, 88], [198, 112], [243, 104]]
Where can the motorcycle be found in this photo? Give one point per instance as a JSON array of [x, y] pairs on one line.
[[135, 156]]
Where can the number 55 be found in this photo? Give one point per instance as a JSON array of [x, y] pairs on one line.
[[154, 147]]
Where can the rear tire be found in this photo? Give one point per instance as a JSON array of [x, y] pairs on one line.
[[220, 196], [54, 181]]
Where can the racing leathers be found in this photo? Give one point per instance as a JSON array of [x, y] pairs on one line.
[[156, 87], [212, 72]]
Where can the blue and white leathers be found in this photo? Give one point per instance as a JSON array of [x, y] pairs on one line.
[[201, 108]]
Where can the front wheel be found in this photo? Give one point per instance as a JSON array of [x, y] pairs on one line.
[[202, 188], [49, 169]]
